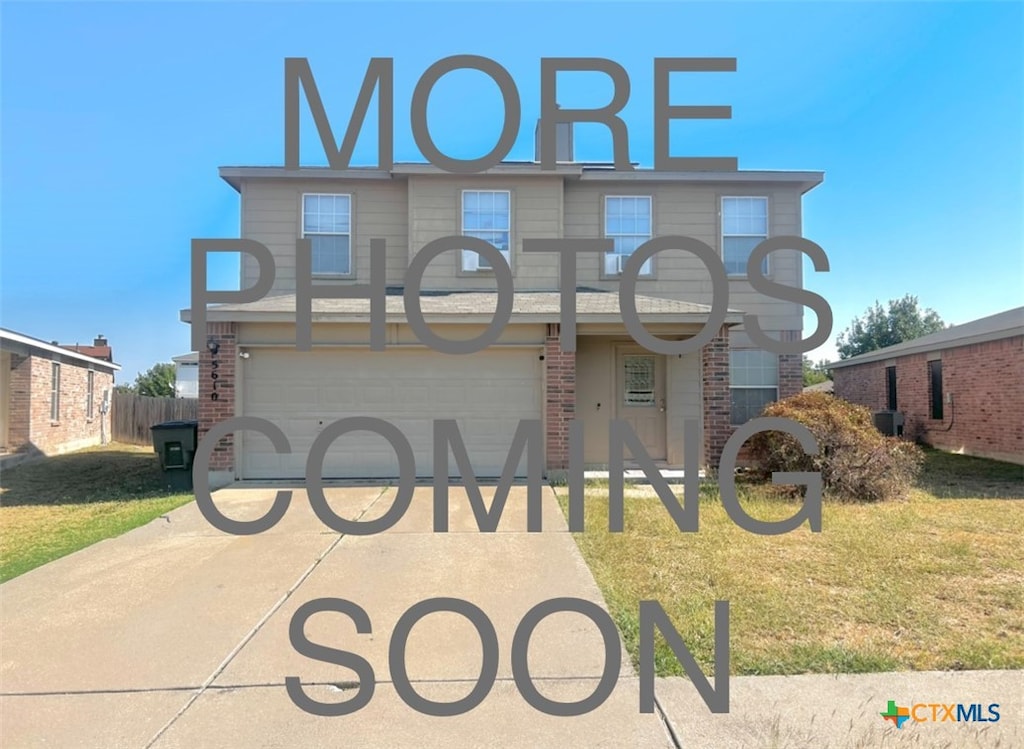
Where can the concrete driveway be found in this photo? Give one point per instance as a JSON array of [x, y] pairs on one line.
[[176, 635]]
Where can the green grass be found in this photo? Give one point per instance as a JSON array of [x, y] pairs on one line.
[[927, 583], [52, 507]]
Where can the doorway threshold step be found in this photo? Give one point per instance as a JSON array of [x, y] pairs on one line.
[[635, 475]]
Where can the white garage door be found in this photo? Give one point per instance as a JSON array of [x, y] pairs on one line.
[[487, 393]]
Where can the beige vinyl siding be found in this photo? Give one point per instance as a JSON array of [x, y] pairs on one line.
[[596, 397], [693, 211], [683, 401], [435, 204], [272, 214], [410, 212], [676, 209]]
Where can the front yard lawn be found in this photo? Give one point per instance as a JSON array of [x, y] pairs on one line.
[[54, 506], [934, 582]]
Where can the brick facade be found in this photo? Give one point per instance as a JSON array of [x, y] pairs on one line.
[[217, 390], [559, 394], [791, 368], [714, 364], [984, 380], [559, 399], [30, 426]]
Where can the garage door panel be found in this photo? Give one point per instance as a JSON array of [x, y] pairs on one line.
[[302, 392], [337, 396], [449, 396]]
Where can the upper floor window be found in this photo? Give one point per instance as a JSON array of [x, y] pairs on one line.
[[327, 221], [627, 222], [55, 392], [744, 226], [486, 215], [753, 382]]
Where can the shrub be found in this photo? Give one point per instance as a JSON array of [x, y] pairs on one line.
[[856, 461]]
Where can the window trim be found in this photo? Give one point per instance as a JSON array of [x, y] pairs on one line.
[[935, 402], [54, 392], [722, 235], [351, 231], [733, 386], [90, 397], [460, 260], [602, 268]]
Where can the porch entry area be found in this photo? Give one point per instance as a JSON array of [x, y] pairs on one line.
[[653, 393], [640, 396]]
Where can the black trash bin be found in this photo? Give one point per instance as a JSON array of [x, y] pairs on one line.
[[175, 443]]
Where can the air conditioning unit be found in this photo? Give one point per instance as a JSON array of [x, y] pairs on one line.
[[889, 423], [615, 263], [473, 261]]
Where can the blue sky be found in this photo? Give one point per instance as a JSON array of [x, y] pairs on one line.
[[116, 116]]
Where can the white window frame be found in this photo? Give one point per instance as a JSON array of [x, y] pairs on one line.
[[722, 235], [90, 393], [757, 386], [470, 262], [54, 391], [303, 233], [612, 263]]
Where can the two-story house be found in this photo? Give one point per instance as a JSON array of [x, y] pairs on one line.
[[524, 374]]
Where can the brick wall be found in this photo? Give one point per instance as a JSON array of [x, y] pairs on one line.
[[865, 384], [217, 391], [30, 423], [715, 394], [791, 368], [986, 380], [19, 425], [559, 398]]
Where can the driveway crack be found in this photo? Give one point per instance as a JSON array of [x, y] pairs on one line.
[[258, 626], [667, 724]]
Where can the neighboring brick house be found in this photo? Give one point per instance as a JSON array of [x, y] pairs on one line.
[[100, 349], [53, 398], [960, 389], [257, 371]]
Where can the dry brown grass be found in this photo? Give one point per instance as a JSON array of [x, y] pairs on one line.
[[926, 583]]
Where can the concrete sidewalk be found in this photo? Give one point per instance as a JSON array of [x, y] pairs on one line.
[[176, 635]]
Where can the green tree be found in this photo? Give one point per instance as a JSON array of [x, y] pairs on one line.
[[878, 328], [813, 373], [157, 381]]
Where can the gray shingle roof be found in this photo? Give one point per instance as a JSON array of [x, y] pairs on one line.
[[804, 180], [1001, 325], [542, 304]]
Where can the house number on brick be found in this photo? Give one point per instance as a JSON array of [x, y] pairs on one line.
[[214, 364]]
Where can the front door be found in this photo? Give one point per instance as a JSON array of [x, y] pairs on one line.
[[640, 386]]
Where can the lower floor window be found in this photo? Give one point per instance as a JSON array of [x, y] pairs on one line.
[[753, 382], [54, 391], [935, 388]]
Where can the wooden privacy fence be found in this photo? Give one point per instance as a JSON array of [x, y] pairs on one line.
[[132, 415]]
